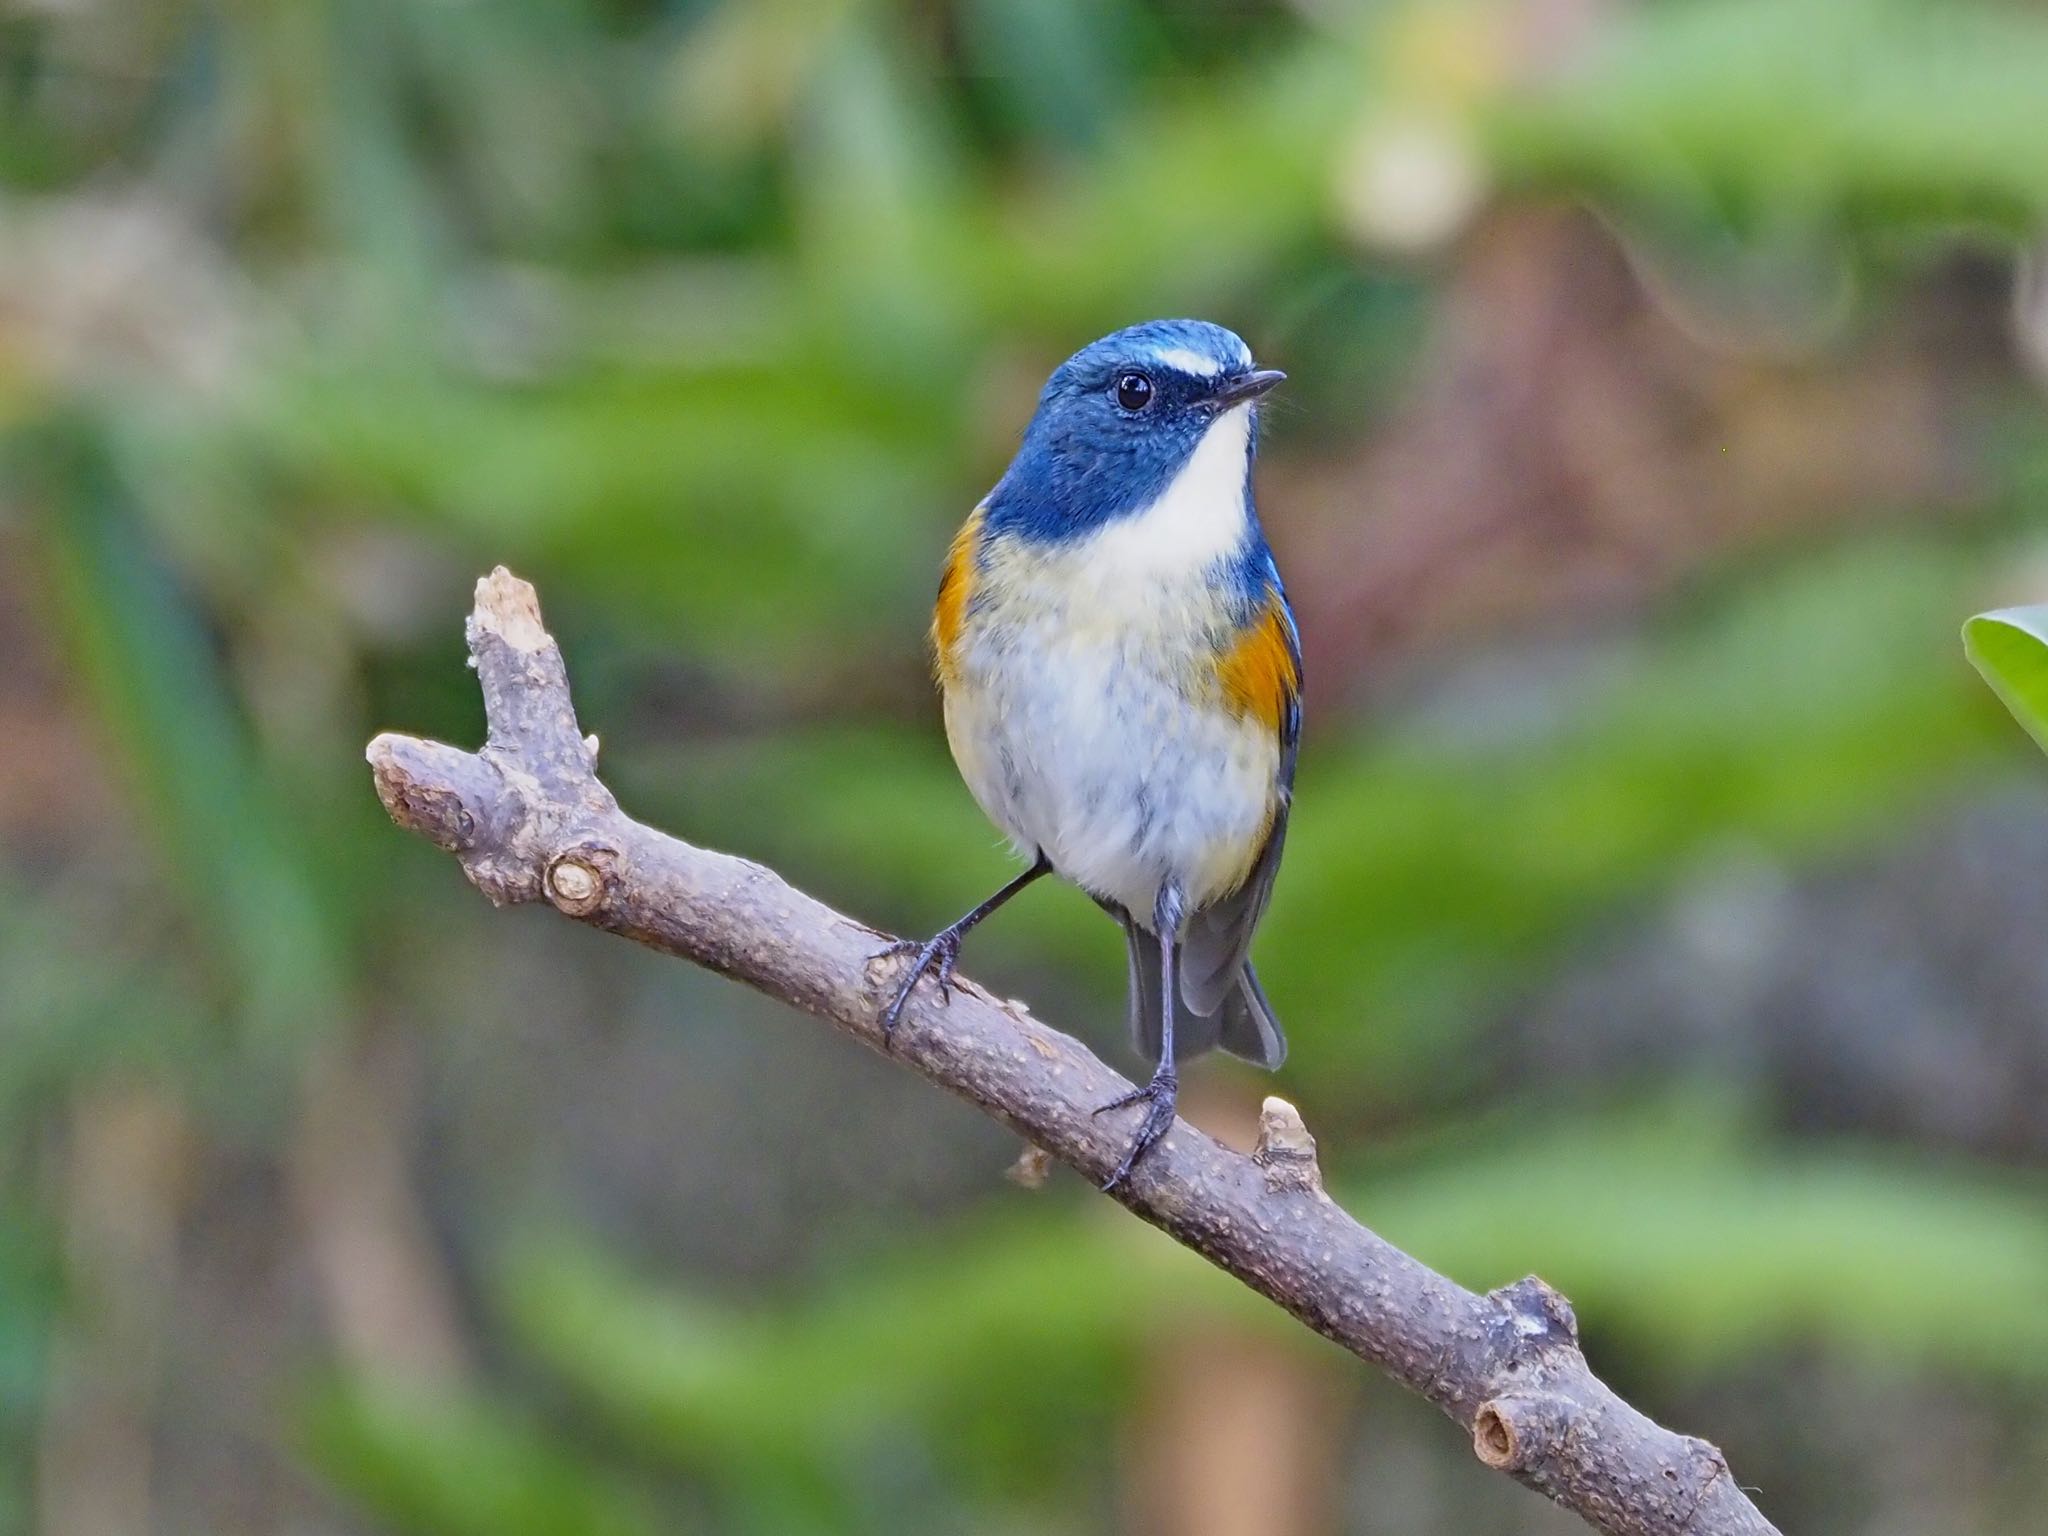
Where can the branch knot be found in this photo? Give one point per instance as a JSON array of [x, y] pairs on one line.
[[582, 877], [1536, 1315], [1516, 1431], [1286, 1153]]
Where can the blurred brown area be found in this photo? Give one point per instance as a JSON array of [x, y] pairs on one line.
[[1574, 447]]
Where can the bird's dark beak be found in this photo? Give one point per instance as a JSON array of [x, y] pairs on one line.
[[1246, 386]]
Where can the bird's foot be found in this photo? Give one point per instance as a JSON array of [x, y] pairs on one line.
[[1158, 1097], [935, 956]]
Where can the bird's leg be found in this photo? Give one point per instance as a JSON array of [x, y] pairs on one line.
[[942, 949], [1159, 1095]]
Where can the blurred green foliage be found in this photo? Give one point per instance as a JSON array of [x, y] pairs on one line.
[[1007, 1345], [714, 318], [1872, 116], [440, 1464]]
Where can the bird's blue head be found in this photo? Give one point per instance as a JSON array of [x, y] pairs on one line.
[[1120, 419]]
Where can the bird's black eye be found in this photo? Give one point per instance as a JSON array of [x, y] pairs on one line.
[[1133, 391]]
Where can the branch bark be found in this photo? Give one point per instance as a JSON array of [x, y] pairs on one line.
[[529, 821]]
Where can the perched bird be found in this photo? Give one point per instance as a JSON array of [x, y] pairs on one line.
[[1122, 684]]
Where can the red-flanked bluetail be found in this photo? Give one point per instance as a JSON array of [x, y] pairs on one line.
[[1122, 683]]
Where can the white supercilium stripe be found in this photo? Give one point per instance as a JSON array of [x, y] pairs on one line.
[[1194, 364]]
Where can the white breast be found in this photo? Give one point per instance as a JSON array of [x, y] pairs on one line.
[[1084, 715]]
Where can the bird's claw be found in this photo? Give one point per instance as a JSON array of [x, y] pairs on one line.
[[1159, 1096], [943, 949]]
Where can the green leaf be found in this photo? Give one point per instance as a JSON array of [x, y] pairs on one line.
[[2010, 647]]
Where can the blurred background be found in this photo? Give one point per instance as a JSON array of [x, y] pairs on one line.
[[1665, 901]]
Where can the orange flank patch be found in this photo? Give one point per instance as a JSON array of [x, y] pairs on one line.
[[1257, 673], [956, 586]]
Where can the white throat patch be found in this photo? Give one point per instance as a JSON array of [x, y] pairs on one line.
[[1197, 520]]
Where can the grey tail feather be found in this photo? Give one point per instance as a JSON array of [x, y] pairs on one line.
[[1250, 1027], [1243, 1023]]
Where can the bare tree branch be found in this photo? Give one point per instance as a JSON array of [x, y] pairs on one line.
[[529, 821]]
